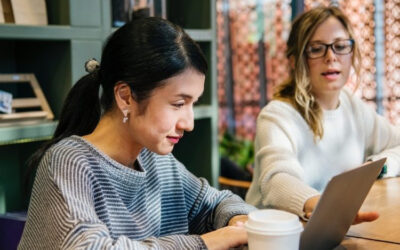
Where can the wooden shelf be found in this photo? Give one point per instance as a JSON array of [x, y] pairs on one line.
[[20, 133], [27, 132], [50, 32]]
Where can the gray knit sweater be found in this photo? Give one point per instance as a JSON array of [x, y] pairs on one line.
[[83, 199]]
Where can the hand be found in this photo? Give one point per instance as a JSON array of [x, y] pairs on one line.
[[225, 238], [361, 217], [310, 204], [238, 220]]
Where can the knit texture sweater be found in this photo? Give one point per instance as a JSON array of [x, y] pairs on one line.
[[84, 199], [291, 168]]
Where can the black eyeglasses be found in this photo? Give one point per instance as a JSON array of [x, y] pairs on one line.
[[340, 47]]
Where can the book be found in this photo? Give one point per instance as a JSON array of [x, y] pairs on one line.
[[7, 11], [1, 13], [29, 12]]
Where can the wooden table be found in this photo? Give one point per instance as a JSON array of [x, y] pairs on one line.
[[350, 243], [384, 233]]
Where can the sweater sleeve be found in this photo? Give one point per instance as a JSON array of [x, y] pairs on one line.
[[382, 139], [279, 176], [209, 208], [62, 202]]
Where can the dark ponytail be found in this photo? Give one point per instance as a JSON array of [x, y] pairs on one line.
[[142, 53], [79, 115]]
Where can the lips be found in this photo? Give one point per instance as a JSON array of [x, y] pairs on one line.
[[331, 75], [330, 72], [174, 139]]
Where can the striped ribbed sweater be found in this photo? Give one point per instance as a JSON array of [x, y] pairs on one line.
[[82, 198]]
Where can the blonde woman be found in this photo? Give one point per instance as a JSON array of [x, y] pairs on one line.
[[314, 128]]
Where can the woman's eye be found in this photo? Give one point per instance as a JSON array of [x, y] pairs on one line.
[[340, 47], [178, 105], [315, 49]]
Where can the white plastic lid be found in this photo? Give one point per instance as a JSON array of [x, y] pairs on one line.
[[272, 221]]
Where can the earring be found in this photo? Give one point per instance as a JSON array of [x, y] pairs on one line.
[[125, 112]]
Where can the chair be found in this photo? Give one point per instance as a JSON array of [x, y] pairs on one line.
[[238, 187]]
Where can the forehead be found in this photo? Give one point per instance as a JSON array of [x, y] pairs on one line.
[[330, 30], [189, 82]]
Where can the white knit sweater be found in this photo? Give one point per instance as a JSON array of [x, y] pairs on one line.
[[290, 167]]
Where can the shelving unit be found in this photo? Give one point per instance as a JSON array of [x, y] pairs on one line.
[[56, 54]]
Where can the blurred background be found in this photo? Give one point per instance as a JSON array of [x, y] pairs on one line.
[[251, 61]]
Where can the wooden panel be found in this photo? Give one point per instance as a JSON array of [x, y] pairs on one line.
[[1, 21], [25, 103], [384, 198], [30, 12]]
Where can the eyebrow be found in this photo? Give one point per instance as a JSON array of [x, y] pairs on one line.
[[335, 40], [184, 96], [187, 97]]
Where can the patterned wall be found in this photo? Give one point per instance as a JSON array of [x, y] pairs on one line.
[[248, 24], [391, 89], [244, 26]]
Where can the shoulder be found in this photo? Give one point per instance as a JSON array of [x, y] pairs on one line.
[[354, 104], [281, 115], [69, 154], [279, 109]]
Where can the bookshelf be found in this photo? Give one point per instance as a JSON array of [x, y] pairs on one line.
[[56, 54]]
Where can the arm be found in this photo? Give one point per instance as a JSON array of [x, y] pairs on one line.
[[62, 213], [279, 177], [208, 208], [382, 138]]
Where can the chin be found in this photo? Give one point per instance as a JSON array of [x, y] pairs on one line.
[[163, 151]]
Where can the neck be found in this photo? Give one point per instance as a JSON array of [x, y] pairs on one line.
[[111, 137], [328, 101]]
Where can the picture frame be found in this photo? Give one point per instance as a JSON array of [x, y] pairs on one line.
[[29, 102]]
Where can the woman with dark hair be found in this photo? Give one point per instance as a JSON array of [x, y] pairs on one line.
[[315, 128], [108, 179]]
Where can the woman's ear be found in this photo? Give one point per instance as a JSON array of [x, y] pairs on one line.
[[123, 96]]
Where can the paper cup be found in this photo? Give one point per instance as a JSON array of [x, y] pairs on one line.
[[273, 229]]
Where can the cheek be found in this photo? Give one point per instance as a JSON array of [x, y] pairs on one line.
[[313, 69], [347, 64], [163, 122]]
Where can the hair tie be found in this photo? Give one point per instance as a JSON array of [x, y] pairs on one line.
[[92, 65]]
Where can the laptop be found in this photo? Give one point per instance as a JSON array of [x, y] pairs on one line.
[[338, 206]]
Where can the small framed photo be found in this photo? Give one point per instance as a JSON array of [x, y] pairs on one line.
[[5, 102], [125, 10]]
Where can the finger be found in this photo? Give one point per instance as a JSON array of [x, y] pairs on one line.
[[239, 224], [365, 217]]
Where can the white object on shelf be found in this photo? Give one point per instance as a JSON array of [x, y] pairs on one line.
[[30, 12], [5, 102]]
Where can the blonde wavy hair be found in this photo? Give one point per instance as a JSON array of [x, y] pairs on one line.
[[296, 90]]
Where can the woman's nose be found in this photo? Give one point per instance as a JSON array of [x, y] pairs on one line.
[[187, 121], [330, 55]]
